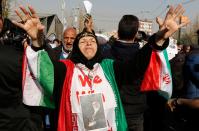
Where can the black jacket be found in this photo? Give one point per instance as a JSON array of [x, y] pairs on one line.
[[134, 101], [177, 66], [14, 115], [57, 52]]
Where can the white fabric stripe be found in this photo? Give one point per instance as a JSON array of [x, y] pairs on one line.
[[166, 87], [104, 88], [32, 93]]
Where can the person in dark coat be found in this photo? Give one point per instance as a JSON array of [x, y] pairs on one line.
[[177, 67], [14, 115], [63, 51], [125, 49], [186, 105]]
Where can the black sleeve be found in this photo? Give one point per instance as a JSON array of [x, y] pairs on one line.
[[59, 77], [59, 74], [127, 71]]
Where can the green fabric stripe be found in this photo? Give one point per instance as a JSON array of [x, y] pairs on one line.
[[168, 64], [167, 61], [107, 66], [45, 76]]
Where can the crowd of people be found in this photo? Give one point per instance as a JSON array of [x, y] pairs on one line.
[[94, 86]]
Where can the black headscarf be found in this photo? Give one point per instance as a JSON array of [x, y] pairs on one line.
[[78, 57]]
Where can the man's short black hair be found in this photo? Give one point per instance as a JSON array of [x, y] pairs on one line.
[[128, 27]]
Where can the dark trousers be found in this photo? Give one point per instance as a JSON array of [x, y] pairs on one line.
[[19, 118], [136, 123]]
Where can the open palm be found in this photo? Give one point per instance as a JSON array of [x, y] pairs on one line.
[[30, 22], [170, 24]]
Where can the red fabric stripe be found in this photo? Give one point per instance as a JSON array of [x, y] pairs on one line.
[[65, 113], [151, 79], [24, 66]]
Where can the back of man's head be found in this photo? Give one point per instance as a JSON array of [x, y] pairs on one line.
[[128, 27]]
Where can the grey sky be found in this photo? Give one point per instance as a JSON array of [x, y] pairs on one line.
[[107, 13]]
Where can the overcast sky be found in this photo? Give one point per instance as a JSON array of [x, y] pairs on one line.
[[107, 13]]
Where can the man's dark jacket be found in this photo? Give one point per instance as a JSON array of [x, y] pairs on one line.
[[134, 101]]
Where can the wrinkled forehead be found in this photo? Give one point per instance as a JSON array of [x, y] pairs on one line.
[[71, 32]]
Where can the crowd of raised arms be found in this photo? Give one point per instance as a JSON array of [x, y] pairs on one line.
[[85, 83]]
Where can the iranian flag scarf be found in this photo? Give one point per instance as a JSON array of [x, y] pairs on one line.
[[38, 78], [65, 113]]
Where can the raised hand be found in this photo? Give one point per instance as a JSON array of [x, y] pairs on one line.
[[171, 22], [88, 23], [159, 22], [30, 23]]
